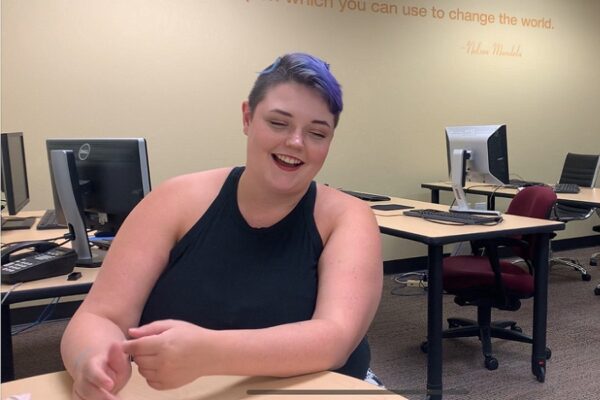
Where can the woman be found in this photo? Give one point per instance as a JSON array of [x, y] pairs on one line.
[[253, 270]]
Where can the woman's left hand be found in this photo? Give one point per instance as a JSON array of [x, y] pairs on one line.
[[165, 352]]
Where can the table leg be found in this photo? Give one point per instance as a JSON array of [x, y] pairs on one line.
[[435, 196], [540, 307], [491, 202], [8, 373], [434, 322]]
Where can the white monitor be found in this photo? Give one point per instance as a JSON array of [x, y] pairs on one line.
[[476, 153]]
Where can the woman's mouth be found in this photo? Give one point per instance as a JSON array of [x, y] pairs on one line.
[[287, 162]]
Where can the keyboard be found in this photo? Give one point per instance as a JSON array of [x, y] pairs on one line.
[[522, 183], [453, 217], [566, 188], [48, 221], [366, 196]]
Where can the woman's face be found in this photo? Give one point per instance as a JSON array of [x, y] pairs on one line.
[[288, 136]]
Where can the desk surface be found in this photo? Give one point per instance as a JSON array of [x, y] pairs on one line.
[[88, 275], [318, 386], [587, 196], [435, 233]]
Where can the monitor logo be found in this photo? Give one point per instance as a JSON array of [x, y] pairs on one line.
[[84, 151]]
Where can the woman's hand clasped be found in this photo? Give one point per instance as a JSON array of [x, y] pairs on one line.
[[162, 352], [102, 377]]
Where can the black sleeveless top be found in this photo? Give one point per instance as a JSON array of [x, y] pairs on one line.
[[225, 274]]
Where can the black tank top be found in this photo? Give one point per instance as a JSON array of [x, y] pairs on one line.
[[225, 274]]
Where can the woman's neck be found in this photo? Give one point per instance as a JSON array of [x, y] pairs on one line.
[[262, 206]]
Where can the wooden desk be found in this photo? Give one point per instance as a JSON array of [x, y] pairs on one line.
[[586, 197], [35, 290], [318, 386], [435, 236]]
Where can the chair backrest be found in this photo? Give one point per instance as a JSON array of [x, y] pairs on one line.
[[581, 169], [534, 202]]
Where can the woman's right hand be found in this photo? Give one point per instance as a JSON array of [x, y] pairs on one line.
[[101, 377]]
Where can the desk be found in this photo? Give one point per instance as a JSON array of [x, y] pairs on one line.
[[35, 290], [586, 197], [318, 386], [435, 236]]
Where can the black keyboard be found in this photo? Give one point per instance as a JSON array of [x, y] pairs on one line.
[[566, 188], [367, 196], [522, 183], [48, 221], [453, 217]]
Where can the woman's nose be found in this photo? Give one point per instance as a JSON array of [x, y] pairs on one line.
[[295, 138]]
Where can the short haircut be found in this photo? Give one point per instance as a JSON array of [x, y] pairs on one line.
[[304, 69]]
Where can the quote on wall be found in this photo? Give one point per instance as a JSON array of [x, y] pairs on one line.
[[455, 14]]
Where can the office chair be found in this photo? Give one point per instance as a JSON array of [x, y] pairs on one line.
[[487, 282], [581, 169], [595, 258]]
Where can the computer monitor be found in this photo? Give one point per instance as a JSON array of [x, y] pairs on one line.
[[14, 180], [108, 177], [478, 154]]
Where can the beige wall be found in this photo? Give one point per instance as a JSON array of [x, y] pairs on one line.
[[176, 71]]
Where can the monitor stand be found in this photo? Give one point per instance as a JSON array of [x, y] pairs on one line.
[[11, 223], [69, 193], [463, 206], [458, 173]]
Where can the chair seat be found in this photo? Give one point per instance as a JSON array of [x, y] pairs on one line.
[[465, 272]]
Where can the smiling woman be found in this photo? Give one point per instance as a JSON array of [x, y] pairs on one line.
[[253, 270]]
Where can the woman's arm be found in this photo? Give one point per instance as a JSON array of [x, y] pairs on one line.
[[91, 346], [172, 353]]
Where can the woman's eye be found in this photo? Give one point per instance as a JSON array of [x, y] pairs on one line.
[[317, 134], [277, 123]]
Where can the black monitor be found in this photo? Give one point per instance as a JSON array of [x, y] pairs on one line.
[[476, 154], [14, 180], [109, 178]]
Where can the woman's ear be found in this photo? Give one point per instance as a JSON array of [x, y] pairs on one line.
[[246, 116]]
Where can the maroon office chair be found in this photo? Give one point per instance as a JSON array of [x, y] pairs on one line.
[[487, 282]]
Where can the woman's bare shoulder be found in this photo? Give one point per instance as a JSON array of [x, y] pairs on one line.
[[198, 184], [183, 199], [335, 210], [335, 201]]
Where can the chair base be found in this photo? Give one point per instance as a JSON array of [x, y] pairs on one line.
[[595, 259], [507, 330], [485, 330], [569, 262]]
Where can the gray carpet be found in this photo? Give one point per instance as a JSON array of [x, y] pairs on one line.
[[573, 334], [400, 325]]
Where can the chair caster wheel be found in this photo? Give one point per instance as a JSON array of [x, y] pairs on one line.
[[548, 353], [541, 375], [491, 363], [424, 347], [586, 277], [597, 291]]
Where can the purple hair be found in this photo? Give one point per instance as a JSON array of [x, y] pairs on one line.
[[304, 69]]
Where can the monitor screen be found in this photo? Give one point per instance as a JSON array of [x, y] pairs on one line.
[[14, 172], [487, 145], [477, 154], [113, 175]]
